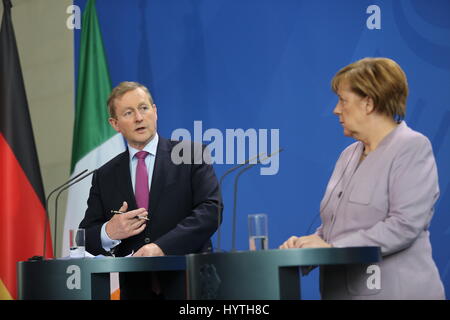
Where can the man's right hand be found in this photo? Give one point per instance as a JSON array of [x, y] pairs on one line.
[[126, 224]]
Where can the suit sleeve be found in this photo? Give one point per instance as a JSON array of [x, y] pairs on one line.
[[191, 233], [413, 190]]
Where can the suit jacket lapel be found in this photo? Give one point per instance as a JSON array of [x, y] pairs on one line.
[[342, 176], [123, 180], [161, 173], [161, 176]]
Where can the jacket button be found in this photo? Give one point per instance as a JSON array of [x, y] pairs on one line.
[[147, 240]]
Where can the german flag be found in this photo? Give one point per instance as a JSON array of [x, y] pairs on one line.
[[22, 199]]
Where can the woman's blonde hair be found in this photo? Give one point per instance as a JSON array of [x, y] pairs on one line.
[[381, 79]]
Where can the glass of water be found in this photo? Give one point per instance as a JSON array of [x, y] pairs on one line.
[[258, 235], [77, 243]]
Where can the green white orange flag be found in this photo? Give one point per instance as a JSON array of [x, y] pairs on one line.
[[94, 141]]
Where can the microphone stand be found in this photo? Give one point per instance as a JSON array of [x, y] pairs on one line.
[[56, 201], [233, 235], [220, 207], [47, 216], [233, 243]]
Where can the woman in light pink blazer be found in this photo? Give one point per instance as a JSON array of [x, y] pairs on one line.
[[382, 191]]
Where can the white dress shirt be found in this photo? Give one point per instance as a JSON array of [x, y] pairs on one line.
[[107, 242]]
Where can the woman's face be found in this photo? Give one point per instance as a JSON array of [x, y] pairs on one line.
[[351, 110]]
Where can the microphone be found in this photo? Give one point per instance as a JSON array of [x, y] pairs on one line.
[[233, 245], [47, 216], [220, 207], [57, 197]]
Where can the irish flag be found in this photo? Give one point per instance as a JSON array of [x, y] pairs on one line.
[[94, 141]]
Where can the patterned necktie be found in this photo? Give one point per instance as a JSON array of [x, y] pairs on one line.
[[141, 187]]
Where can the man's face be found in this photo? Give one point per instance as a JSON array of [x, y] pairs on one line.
[[135, 118]]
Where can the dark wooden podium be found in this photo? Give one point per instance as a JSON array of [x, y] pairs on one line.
[[252, 275], [89, 278], [259, 275]]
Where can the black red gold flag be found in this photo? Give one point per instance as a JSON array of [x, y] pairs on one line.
[[22, 213]]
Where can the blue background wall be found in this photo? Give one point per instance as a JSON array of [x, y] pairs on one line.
[[268, 64]]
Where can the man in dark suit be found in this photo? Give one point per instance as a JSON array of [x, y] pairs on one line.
[[166, 208]]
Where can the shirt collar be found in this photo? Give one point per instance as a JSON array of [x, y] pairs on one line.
[[150, 147]]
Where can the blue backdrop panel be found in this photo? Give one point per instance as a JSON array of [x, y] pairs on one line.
[[267, 64]]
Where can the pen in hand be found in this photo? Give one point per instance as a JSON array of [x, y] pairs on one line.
[[137, 217]]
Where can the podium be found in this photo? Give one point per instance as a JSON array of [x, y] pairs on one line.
[[250, 275], [263, 275], [89, 278]]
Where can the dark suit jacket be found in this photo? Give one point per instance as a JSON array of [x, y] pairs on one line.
[[183, 206]]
